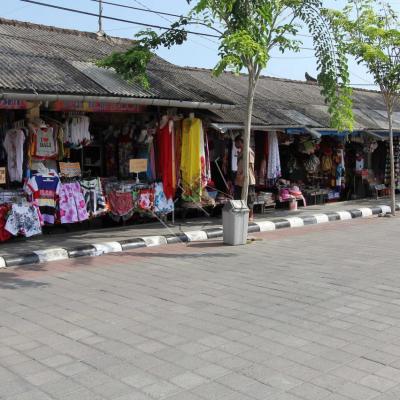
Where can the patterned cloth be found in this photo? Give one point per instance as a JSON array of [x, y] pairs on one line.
[[4, 234], [161, 204], [94, 197], [24, 220], [72, 204], [121, 203]]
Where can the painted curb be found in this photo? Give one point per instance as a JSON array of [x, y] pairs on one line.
[[93, 250]]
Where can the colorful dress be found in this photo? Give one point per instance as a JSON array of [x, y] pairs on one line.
[[72, 204], [191, 165], [166, 159]]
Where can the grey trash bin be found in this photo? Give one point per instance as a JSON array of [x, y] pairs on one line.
[[235, 221]]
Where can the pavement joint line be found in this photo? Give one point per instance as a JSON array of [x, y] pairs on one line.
[[98, 249]]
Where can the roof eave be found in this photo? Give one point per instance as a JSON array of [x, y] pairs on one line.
[[116, 99]]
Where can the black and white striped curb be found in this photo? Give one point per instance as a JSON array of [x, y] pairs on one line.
[[92, 250]]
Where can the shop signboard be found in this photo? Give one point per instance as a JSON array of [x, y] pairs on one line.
[[96, 106], [69, 169], [2, 175], [137, 165], [10, 104]]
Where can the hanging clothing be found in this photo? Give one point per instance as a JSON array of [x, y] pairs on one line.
[[162, 205], [76, 131], [234, 157], [121, 204], [178, 150], [72, 204], [94, 198], [44, 143], [274, 161], [396, 148], [145, 199], [45, 191], [165, 158], [23, 220], [4, 211], [14, 147], [191, 167]]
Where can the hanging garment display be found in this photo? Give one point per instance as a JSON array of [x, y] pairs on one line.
[[44, 144], [4, 234], [121, 204], [161, 204], [396, 148], [45, 191], [72, 203], [312, 164], [145, 200], [165, 158], [192, 132], [76, 131], [234, 157], [23, 220], [94, 198], [14, 147], [274, 161], [178, 150]]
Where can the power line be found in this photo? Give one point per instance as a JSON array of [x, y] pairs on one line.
[[116, 19], [128, 21], [146, 9]]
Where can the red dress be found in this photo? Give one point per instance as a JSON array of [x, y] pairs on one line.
[[166, 165]]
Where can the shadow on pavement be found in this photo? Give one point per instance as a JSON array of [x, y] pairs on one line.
[[11, 280]]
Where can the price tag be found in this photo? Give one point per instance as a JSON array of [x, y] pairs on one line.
[[137, 165], [2, 175]]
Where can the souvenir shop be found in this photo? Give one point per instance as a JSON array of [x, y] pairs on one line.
[[69, 162], [294, 168]]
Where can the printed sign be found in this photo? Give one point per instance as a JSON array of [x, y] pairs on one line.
[[137, 165], [96, 106], [2, 175], [10, 104], [70, 170]]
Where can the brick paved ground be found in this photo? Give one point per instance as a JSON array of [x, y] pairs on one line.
[[310, 313], [79, 235]]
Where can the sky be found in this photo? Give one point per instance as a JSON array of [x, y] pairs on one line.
[[199, 51]]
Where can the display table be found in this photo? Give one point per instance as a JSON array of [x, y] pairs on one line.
[[315, 196]]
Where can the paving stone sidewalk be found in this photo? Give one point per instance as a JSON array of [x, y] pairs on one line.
[[304, 314], [60, 238]]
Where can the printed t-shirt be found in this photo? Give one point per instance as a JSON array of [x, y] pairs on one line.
[[45, 191]]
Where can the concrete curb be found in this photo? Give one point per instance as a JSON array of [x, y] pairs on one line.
[[93, 250]]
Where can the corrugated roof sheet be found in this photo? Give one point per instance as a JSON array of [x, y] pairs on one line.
[[53, 60], [58, 60]]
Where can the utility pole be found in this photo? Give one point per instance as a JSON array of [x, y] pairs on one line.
[[100, 31]]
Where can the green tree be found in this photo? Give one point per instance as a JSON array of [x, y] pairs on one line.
[[248, 30], [372, 36]]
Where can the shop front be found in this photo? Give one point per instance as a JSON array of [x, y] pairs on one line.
[[66, 163], [296, 167]]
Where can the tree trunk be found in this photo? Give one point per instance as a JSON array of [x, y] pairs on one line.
[[392, 170], [247, 134]]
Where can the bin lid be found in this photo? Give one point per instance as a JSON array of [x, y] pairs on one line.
[[236, 206]]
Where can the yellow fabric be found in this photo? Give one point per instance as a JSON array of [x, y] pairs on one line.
[[191, 159]]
